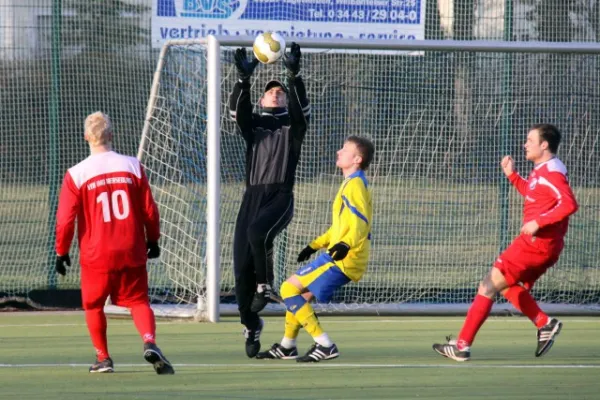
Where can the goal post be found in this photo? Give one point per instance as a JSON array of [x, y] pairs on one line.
[[441, 114]]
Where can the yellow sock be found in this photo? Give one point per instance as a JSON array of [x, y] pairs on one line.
[[292, 326], [306, 316], [301, 309]]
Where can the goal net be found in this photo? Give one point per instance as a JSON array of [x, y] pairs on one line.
[[441, 118]]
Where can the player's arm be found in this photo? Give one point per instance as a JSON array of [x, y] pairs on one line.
[[240, 109], [298, 104], [508, 167], [240, 104], [299, 107], [68, 206], [518, 182], [321, 242], [354, 219], [566, 203]]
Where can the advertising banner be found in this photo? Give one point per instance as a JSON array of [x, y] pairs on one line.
[[355, 19]]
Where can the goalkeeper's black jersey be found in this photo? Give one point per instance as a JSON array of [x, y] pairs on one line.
[[273, 137]]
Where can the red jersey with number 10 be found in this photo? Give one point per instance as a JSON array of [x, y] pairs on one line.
[[110, 196], [549, 199]]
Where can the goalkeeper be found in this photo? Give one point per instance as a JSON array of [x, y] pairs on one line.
[[273, 142], [348, 243]]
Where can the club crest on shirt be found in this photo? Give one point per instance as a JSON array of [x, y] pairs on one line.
[[532, 184]]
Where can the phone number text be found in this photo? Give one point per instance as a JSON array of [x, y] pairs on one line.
[[369, 15]]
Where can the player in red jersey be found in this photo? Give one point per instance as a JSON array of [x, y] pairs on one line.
[[549, 201], [118, 230]]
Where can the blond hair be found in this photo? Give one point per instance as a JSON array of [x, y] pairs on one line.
[[98, 129]]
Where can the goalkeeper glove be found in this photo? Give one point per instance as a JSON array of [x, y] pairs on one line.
[[292, 60], [339, 251], [60, 264], [153, 249], [306, 253], [245, 68]]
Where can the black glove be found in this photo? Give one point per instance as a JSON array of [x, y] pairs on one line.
[[339, 251], [306, 253], [292, 60], [60, 264], [153, 249], [245, 68]]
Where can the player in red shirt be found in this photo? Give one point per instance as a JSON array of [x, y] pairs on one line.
[[549, 201], [118, 230]]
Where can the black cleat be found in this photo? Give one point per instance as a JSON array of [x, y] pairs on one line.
[[546, 335], [253, 339], [260, 300], [318, 353], [104, 366], [278, 352], [450, 350], [154, 356]]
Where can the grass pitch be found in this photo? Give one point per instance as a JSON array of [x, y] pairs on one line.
[[46, 356]]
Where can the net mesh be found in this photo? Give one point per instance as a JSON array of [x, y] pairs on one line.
[[440, 123]]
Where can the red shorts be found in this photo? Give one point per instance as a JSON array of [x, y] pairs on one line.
[[526, 259], [126, 287]]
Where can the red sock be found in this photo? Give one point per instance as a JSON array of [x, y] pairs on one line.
[[478, 313], [522, 300], [143, 318], [96, 323]]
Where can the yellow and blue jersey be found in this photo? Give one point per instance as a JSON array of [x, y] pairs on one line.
[[351, 223]]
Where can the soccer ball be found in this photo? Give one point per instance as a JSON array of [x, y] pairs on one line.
[[268, 47]]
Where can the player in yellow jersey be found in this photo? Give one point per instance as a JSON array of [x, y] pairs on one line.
[[347, 242]]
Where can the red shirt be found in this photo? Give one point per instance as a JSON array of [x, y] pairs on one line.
[[549, 199], [110, 196]]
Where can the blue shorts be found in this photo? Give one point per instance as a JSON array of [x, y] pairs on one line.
[[322, 277]]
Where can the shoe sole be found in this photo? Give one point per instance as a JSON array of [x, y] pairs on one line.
[[455, 358], [312, 360], [277, 358], [550, 342], [161, 365], [253, 353], [102, 371], [278, 299], [258, 308]]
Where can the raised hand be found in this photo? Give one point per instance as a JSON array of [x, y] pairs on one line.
[[244, 67], [292, 59], [508, 165]]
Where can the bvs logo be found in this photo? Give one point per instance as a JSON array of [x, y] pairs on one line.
[[200, 8]]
